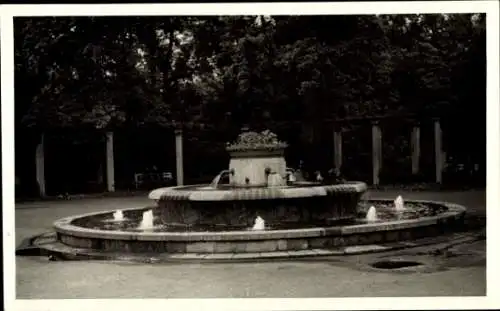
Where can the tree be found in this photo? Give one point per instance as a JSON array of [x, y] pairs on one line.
[[78, 76]]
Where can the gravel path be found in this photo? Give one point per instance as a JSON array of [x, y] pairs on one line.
[[36, 277]]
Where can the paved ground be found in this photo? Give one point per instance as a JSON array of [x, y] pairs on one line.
[[36, 277]]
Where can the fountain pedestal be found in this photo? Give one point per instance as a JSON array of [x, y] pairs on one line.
[[250, 166], [254, 156]]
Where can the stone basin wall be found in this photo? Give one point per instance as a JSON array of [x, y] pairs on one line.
[[320, 210]]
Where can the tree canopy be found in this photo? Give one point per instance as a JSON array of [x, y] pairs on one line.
[[213, 75], [229, 71]]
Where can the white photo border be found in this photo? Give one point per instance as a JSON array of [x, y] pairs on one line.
[[491, 8]]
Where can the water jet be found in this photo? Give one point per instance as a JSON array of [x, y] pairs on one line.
[[371, 215], [147, 221]]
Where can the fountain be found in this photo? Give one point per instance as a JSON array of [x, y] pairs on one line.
[[291, 178], [147, 221], [399, 205], [275, 180], [257, 182], [286, 214], [216, 180], [118, 216], [371, 215], [259, 224], [319, 178]]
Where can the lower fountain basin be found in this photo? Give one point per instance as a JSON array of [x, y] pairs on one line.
[[447, 216]]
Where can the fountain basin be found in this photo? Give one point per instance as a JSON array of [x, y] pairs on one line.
[[247, 241], [239, 206]]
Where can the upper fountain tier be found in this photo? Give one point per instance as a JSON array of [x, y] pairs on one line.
[[255, 158], [258, 187], [257, 171]]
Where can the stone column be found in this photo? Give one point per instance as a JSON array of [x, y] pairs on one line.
[[110, 162], [337, 149], [438, 150], [179, 157], [40, 166], [376, 151], [415, 149]]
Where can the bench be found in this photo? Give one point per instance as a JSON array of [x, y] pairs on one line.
[[152, 178]]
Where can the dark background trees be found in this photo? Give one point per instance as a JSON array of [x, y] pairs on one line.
[[141, 77]]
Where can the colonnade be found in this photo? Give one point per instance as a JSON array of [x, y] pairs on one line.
[[377, 155], [377, 152]]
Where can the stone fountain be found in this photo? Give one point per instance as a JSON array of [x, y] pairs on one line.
[[258, 186], [262, 212]]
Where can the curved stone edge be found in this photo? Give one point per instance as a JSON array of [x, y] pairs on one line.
[[64, 226], [70, 253], [180, 193]]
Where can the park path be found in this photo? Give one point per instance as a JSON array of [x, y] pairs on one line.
[[38, 278]]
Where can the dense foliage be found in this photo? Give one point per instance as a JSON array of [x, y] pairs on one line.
[[214, 75]]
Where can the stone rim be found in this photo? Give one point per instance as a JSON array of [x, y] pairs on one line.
[[192, 193], [72, 253]]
